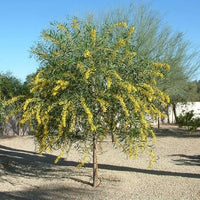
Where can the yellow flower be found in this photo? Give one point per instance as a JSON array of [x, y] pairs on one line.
[[86, 53], [124, 24], [121, 42], [167, 67], [135, 149], [38, 114], [133, 54], [131, 30], [93, 35], [115, 74], [28, 101], [152, 158], [14, 99], [60, 85], [83, 159], [88, 112], [167, 98], [74, 24], [87, 74], [157, 64], [81, 67], [121, 24], [130, 150], [61, 27], [12, 113], [109, 82], [59, 157], [136, 104], [103, 104], [153, 135], [64, 113], [60, 130], [73, 118], [129, 87], [37, 77], [154, 81], [122, 103]]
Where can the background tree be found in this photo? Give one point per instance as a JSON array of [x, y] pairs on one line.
[[156, 41], [92, 84], [10, 87]]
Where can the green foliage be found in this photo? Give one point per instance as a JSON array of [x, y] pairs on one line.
[[11, 86], [187, 119], [1, 114], [92, 83], [156, 41]]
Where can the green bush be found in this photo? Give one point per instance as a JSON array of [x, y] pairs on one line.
[[187, 119]]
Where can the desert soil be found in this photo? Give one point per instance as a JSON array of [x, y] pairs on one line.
[[24, 175]]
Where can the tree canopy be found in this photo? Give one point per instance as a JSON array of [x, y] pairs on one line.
[[92, 84]]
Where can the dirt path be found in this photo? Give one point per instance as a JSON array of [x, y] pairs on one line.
[[24, 175]]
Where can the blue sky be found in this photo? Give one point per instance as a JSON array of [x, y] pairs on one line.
[[21, 22]]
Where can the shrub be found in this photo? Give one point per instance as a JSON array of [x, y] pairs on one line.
[[187, 119]]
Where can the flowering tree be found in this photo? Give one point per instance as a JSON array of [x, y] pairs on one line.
[[92, 84]]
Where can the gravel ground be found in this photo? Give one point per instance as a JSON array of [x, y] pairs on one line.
[[24, 175]]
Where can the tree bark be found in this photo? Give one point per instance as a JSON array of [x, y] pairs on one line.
[[95, 164], [175, 114], [158, 123]]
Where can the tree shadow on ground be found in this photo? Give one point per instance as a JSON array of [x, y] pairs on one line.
[[174, 131], [27, 163], [51, 192], [191, 160]]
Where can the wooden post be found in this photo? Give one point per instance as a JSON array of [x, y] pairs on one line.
[[158, 123], [95, 164]]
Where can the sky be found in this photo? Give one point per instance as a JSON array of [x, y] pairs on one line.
[[21, 23]]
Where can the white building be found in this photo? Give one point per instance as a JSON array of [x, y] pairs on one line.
[[182, 108]]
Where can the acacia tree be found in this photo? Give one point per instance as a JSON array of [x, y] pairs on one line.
[[92, 84]]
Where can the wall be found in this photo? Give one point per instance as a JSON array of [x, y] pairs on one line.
[[184, 107]]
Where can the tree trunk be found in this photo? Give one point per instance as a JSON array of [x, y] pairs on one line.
[[174, 110], [95, 164], [158, 123]]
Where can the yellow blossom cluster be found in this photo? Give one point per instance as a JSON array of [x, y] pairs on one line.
[[13, 100], [81, 67], [122, 103], [103, 104], [121, 24], [131, 30], [64, 112], [16, 110], [109, 82], [61, 27], [135, 103], [115, 74], [165, 65], [128, 86], [87, 74], [38, 114], [29, 101], [85, 155], [121, 42], [87, 53], [74, 24], [93, 36], [89, 114], [60, 85]]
